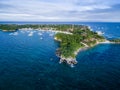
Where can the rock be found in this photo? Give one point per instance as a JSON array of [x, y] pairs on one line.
[[58, 52], [70, 61]]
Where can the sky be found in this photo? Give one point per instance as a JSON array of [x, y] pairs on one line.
[[60, 10]]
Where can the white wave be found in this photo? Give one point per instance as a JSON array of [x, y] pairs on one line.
[[72, 66]]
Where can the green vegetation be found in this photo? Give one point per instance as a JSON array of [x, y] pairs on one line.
[[60, 27], [8, 27], [69, 43]]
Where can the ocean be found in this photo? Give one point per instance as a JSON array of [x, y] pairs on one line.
[[28, 61]]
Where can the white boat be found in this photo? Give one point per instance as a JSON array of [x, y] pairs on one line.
[[100, 32]]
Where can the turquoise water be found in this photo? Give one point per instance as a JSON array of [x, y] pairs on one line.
[[29, 62]]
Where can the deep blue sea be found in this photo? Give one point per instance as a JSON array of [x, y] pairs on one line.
[[28, 61]]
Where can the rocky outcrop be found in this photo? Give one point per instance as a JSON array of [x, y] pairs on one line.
[[71, 61]]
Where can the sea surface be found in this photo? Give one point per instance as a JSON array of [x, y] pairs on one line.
[[28, 61]]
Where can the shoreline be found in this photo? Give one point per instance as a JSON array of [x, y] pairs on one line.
[[70, 60], [30, 29], [8, 30], [55, 31]]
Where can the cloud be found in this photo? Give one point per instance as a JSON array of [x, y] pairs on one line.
[[59, 10]]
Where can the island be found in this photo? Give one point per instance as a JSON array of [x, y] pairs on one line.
[[72, 38]]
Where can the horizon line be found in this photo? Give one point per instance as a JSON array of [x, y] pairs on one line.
[[64, 21]]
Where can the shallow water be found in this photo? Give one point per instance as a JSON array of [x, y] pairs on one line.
[[29, 63]]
